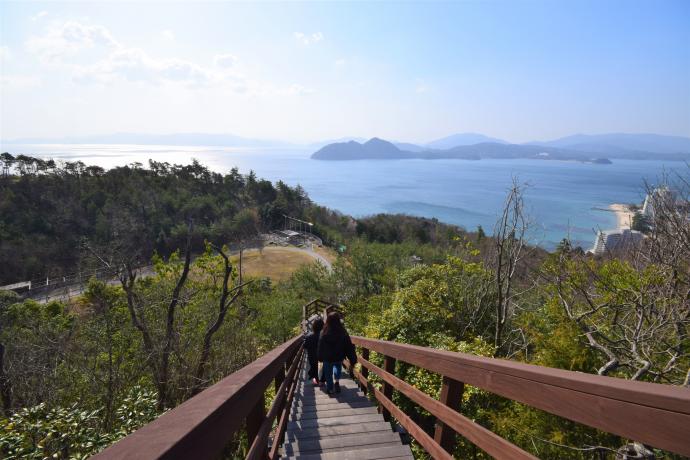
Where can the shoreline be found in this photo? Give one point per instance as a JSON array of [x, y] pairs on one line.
[[624, 215]]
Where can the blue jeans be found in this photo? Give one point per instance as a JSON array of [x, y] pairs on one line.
[[330, 370]]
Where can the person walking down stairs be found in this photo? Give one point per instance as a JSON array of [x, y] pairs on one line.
[[334, 346], [311, 344]]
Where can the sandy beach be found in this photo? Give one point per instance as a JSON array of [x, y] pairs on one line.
[[624, 215]]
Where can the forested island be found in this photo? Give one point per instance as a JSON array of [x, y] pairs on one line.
[[78, 374], [379, 149]]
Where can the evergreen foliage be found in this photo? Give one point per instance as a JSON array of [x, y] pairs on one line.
[[76, 376]]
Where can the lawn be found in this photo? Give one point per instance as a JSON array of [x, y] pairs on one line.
[[276, 263]]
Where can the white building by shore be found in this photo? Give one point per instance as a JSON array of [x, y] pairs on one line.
[[609, 240], [660, 196]]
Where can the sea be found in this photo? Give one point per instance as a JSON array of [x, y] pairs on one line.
[[563, 198]]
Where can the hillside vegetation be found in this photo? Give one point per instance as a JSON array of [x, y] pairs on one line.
[[76, 376]]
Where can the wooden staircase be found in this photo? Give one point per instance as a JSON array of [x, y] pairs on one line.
[[304, 422], [341, 426]]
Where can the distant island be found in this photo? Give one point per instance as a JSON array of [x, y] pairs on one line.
[[581, 150], [586, 148], [379, 149]]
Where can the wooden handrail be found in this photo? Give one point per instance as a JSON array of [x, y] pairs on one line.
[[475, 433], [657, 415], [202, 426], [257, 450]]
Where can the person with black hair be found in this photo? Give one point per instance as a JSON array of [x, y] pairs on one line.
[[334, 346], [311, 343]]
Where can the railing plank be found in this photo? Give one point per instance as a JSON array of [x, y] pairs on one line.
[[285, 415], [255, 419], [258, 448], [202, 426], [279, 378], [657, 415], [389, 365], [485, 439], [365, 371], [426, 441], [451, 396]]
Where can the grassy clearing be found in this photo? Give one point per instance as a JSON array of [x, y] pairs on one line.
[[276, 263], [328, 253]]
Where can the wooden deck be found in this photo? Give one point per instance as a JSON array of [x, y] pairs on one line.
[[343, 426]]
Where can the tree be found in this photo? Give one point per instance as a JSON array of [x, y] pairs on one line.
[[453, 299], [640, 222], [509, 247], [7, 161], [6, 299], [480, 233], [157, 357], [631, 318], [35, 338], [228, 297], [564, 246], [103, 358]]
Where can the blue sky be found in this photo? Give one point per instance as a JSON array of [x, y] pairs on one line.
[[412, 71]]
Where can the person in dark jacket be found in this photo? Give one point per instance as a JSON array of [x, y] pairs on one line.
[[311, 343], [334, 346]]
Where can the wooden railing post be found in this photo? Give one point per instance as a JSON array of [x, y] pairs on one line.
[[451, 396], [388, 366], [280, 377], [365, 371], [254, 420]]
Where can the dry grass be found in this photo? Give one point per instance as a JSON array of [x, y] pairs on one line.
[[327, 253], [274, 262]]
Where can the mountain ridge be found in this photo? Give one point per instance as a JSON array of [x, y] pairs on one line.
[[458, 139], [379, 149], [632, 142], [633, 145]]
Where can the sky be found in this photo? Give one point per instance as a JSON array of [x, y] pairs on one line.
[[301, 72]]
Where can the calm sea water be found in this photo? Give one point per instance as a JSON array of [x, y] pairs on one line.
[[563, 197]]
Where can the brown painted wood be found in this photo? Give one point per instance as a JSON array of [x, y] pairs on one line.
[[451, 396], [426, 441], [202, 426], [365, 371], [258, 443], [254, 421], [669, 397], [478, 435], [657, 415], [285, 411], [389, 366], [278, 380]]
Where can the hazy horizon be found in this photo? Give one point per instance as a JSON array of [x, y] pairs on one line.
[[307, 72], [267, 142]]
